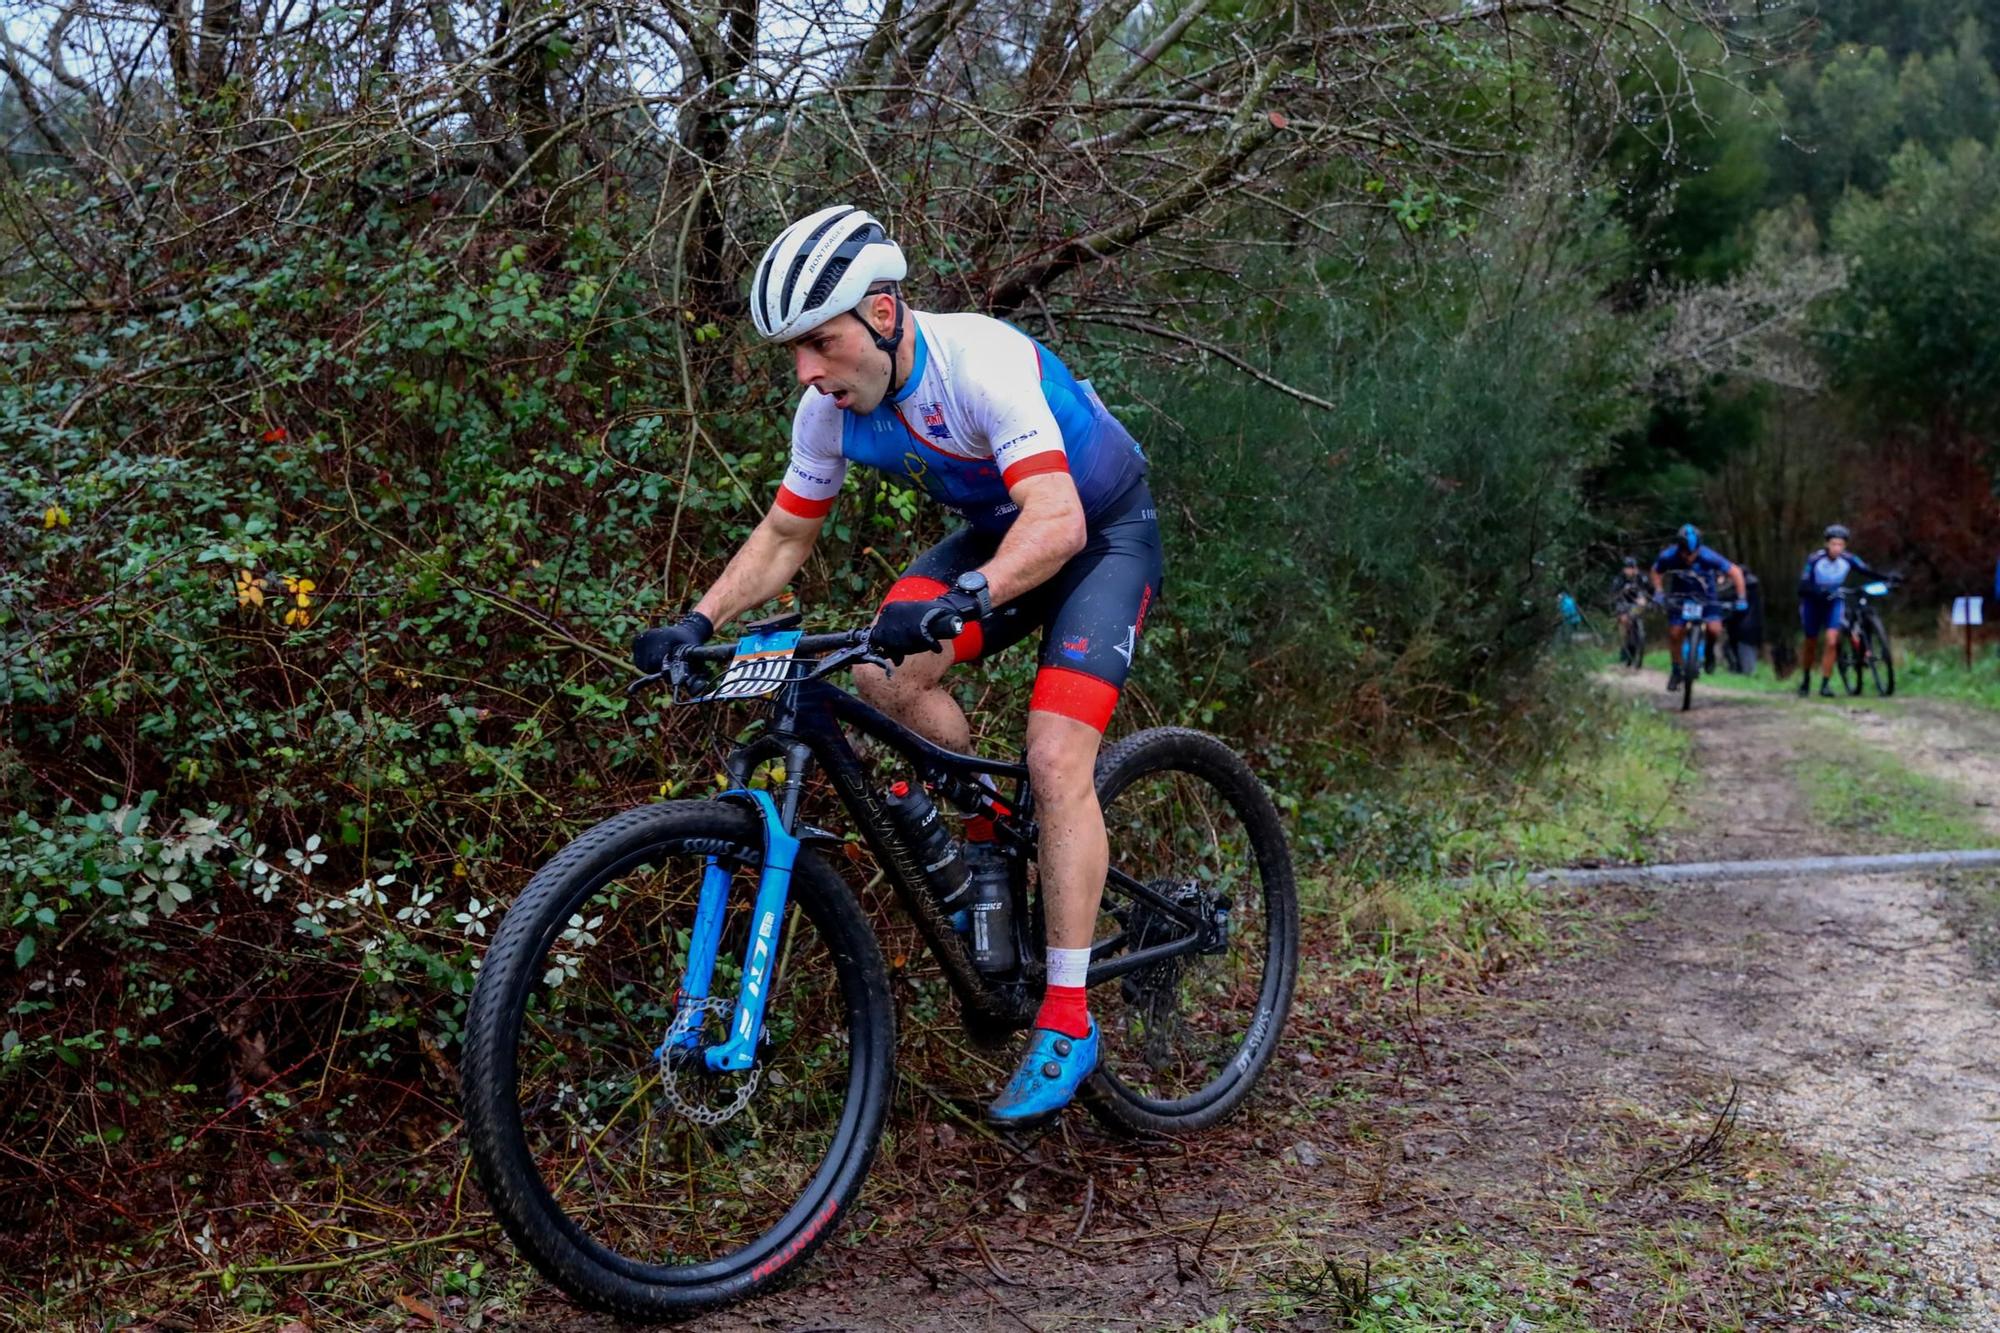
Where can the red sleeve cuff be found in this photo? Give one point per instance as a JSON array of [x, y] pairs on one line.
[[792, 502], [1049, 460]]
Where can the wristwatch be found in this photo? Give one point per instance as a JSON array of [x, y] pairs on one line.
[[973, 584]]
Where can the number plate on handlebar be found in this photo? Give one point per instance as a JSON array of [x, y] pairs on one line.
[[762, 663]]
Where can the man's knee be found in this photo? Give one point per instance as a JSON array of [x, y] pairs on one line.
[[1062, 756]]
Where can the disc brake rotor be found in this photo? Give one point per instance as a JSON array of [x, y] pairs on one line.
[[687, 1084]]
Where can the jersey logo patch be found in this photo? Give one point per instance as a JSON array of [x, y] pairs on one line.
[[933, 414], [1076, 649]]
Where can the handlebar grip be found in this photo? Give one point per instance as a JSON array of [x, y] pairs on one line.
[[942, 624]]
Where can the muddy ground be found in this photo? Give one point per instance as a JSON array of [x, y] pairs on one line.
[[1772, 1104]]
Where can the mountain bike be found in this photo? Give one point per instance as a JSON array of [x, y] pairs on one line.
[[679, 1053], [1632, 651], [1690, 595], [1863, 645]]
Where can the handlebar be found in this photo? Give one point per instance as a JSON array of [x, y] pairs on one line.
[[808, 645], [840, 649]]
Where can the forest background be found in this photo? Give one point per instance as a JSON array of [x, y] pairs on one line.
[[370, 373]]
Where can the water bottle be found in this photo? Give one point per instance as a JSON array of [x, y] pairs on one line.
[[992, 909], [944, 865]]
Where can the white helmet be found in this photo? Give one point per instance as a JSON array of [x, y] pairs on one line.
[[819, 267]]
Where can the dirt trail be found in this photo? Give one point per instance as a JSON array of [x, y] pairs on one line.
[[1851, 1008], [1849, 1013]]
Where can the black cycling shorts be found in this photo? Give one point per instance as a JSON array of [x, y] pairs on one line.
[[1090, 613]]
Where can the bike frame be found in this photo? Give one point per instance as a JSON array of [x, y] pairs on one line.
[[808, 720]]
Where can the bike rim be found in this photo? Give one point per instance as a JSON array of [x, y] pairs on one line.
[[653, 1193], [1176, 1036]]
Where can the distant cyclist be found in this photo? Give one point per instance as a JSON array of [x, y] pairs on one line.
[[1629, 591], [1700, 565], [1822, 610]]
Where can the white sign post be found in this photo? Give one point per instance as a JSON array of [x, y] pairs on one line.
[[1968, 611]]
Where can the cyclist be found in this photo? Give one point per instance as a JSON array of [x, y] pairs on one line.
[[1628, 598], [1060, 536], [1822, 611], [1689, 557]]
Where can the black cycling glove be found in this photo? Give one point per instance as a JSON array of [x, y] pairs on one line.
[[651, 650], [904, 629]]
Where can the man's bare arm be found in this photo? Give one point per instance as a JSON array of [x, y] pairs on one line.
[[1049, 530], [759, 571]]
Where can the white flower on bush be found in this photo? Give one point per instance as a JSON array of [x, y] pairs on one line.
[[304, 861], [368, 893], [264, 880], [419, 910], [577, 936], [473, 918]]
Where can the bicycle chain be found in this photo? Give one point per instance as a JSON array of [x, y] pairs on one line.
[[691, 1018]]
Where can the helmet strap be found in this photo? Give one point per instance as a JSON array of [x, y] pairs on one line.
[[887, 344]]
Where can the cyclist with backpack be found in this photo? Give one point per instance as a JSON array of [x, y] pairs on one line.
[[1060, 536]]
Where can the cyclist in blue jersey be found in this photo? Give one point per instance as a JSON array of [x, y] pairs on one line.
[[1061, 537], [1822, 611], [1696, 569]]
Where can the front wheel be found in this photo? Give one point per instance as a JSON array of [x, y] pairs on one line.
[[1881, 662], [1690, 664], [647, 1187], [1184, 1040], [1635, 642], [1849, 663]]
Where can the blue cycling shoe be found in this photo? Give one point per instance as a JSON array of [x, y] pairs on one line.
[[1052, 1069]]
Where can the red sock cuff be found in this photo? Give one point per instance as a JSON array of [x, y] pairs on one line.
[[1065, 1010]]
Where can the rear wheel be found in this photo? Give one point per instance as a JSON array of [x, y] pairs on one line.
[[654, 1189], [1184, 1040]]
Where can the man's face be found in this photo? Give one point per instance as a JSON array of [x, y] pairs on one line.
[[1632, 571], [840, 360], [1835, 545]]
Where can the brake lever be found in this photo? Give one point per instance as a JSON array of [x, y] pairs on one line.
[[673, 673], [859, 654]]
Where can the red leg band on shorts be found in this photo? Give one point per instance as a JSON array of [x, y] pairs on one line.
[[1075, 695], [914, 588]]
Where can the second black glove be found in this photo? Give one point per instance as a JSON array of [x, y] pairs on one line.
[[904, 629]]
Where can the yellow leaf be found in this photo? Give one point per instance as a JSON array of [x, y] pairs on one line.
[[307, 585], [304, 600], [55, 516]]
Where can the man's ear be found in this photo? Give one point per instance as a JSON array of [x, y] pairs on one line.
[[882, 312]]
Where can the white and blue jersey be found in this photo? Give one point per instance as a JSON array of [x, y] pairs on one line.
[[1824, 576], [985, 406]]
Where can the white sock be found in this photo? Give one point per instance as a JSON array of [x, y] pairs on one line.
[[1068, 967]]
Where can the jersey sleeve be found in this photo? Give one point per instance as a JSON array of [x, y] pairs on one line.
[[818, 466], [1003, 394]]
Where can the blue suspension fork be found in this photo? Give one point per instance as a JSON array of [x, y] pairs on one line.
[[781, 852]]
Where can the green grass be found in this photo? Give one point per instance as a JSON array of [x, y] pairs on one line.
[[1930, 674], [1865, 791], [1944, 675], [1606, 803]]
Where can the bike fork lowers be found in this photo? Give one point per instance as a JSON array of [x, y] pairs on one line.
[[774, 885]]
